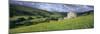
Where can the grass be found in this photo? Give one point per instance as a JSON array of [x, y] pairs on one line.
[[81, 22]]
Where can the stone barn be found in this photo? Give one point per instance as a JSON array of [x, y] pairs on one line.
[[71, 14]]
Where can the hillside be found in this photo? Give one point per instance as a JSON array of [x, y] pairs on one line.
[[19, 10], [19, 13], [29, 19], [81, 22]]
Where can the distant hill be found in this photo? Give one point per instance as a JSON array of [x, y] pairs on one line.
[[19, 10], [86, 13]]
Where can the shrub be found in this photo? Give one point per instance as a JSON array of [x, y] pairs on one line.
[[28, 23], [30, 18], [17, 22], [21, 19]]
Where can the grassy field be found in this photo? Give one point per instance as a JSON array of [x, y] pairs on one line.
[[81, 22]]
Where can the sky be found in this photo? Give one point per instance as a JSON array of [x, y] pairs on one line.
[[55, 6]]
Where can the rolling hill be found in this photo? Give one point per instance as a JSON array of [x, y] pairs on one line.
[[18, 10], [29, 15], [19, 13], [81, 22]]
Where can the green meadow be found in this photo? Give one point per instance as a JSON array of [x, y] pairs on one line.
[[81, 22]]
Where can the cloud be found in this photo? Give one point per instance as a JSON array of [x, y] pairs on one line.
[[55, 6]]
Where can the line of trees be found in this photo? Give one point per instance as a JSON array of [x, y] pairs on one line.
[[30, 21]]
